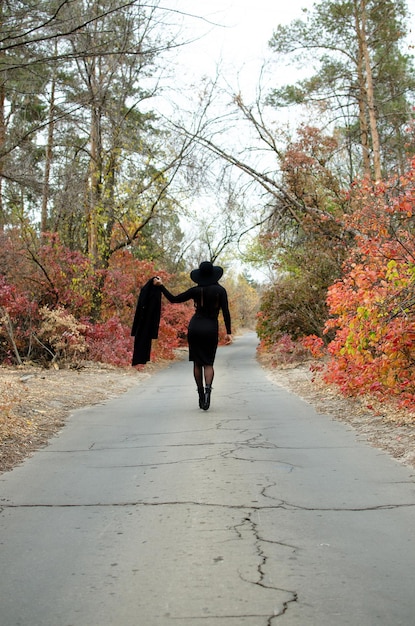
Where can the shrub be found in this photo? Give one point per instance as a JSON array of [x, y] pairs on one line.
[[61, 335]]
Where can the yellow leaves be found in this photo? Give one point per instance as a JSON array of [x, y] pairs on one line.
[[392, 273], [362, 312]]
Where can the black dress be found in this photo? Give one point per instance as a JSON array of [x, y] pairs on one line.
[[203, 329]]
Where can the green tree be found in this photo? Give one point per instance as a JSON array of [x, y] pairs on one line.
[[80, 147], [22, 110], [113, 58], [362, 78]]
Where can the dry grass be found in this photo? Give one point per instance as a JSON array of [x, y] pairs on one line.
[[35, 402]]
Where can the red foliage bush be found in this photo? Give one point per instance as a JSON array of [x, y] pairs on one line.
[[18, 317], [109, 342], [284, 351], [373, 307], [101, 302], [66, 277]]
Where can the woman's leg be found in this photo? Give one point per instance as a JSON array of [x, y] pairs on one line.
[[209, 374], [198, 374]]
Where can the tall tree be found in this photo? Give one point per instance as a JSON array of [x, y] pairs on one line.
[[22, 109], [353, 46], [79, 143]]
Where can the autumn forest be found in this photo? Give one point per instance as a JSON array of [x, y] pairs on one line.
[[112, 172]]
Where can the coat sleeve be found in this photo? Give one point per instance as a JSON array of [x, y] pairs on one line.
[[143, 303], [146, 322]]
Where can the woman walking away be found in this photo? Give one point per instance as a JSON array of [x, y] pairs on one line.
[[203, 331]]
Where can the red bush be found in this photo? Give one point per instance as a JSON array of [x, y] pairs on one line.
[[373, 308]]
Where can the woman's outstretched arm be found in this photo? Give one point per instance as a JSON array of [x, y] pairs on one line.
[[181, 297]]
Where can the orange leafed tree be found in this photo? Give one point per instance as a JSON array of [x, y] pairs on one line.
[[372, 307]]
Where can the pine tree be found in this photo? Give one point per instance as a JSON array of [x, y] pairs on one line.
[[361, 77]]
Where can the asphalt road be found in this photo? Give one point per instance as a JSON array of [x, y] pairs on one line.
[[147, 511]]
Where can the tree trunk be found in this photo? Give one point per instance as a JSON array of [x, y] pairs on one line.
[[48, 155], [2, 131], [7, 323], [362, 99], [93, 194], [94, 171], [370, 94], [2, 141]]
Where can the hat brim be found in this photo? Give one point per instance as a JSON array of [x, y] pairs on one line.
[[203, 281]]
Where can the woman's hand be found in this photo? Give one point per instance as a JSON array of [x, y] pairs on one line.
[[157, 282], [228, 339]]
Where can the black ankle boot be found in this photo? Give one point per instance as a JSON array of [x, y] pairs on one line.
[[201, 393], [208, 391]]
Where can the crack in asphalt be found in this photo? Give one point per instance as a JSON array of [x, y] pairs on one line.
[[154, 465], [246, 529], [224, 616], [254, 441], [285, 506], [252, 528], [93, 447]]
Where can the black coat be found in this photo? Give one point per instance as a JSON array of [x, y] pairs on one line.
[[146, 322]]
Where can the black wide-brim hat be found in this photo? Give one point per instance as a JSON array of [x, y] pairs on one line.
[[207, 274]]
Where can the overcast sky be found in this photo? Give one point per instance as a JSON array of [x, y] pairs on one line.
[[235, 33], [232, 32]]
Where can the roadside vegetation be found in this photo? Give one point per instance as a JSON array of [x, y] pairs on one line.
[[344, 252]]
